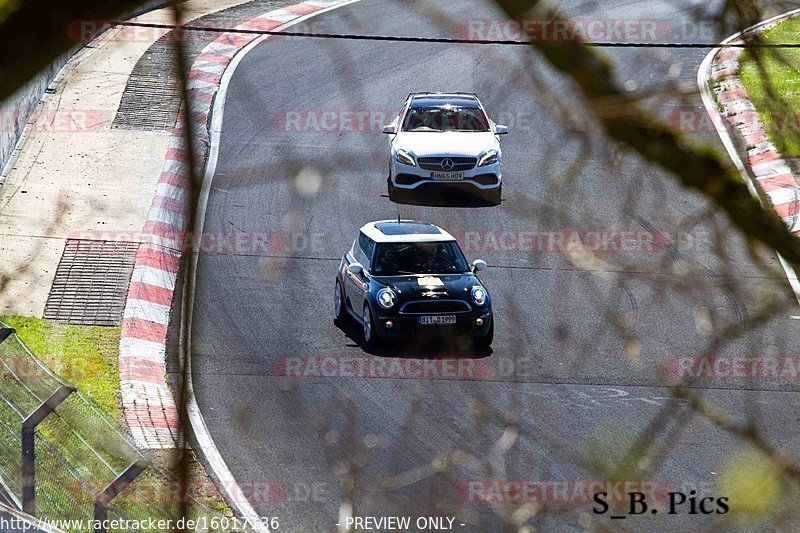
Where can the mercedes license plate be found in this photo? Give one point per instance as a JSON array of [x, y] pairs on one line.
[[447, 176]]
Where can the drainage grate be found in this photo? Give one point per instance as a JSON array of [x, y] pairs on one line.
[[91, 282], [152, 96]]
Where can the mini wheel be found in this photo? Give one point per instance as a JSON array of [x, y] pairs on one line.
[[370, 334], [339, 312]]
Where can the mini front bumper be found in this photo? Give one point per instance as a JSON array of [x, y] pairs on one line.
[[397, 326]]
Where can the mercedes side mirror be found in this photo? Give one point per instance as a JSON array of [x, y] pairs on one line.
[[478, 265], [501, 130], [391, 129]]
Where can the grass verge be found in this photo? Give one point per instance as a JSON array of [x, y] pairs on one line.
[[88, 357], [771, 77], [85, 356]]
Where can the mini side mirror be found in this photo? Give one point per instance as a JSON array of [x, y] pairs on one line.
[[356, 268], [391, 129], [478, 265], [501, 130]]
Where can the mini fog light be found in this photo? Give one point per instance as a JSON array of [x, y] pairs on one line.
[[479, 322], [389, 324]]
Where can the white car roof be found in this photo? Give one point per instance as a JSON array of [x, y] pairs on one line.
[[382, 231], [445, 95]]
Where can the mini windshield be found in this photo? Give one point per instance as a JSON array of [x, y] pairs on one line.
[[445, 118], [393, 259]]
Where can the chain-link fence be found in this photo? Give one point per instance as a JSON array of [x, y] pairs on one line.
[[79, 451]]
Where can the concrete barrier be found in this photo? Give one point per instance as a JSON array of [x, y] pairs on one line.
[[16, 110]]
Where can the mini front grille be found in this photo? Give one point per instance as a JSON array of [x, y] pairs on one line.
[[460, 164], [433, 307]]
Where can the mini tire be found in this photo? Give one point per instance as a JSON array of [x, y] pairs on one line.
[[370, 334], [339, 311]]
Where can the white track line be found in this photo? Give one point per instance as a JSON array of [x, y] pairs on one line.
[[703, 75], [204, 439]]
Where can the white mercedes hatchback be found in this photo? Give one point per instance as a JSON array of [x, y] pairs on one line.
[[445, 140]]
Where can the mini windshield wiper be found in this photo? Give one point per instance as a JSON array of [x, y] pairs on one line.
[[399, 273]]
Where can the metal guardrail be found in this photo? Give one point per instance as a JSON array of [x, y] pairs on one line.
[[61, 457], [29, 445], [102, 501], [12, 521]]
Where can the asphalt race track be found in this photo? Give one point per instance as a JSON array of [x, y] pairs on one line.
[[578, 340]]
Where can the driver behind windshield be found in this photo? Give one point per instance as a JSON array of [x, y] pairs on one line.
[[446, 118], [429, 258], [420, 258]]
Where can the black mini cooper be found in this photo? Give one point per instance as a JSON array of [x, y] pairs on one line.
[[403, 278]]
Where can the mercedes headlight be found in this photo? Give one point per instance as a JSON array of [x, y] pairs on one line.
[[405, 157], [478, 295], [488, 158], [386, 298]]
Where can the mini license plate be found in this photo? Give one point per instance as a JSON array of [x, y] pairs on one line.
[[447, 176], [438, 320]]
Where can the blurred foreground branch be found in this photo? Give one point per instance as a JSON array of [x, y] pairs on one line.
[[38, 32], [625, 121], [748, 433]]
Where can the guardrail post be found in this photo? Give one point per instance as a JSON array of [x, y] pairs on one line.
[[6, 333], [29, 448], [112, 489]]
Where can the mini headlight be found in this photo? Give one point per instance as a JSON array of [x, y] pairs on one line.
[[488, 158], [386, 298], [478, 295], [404, 157]]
